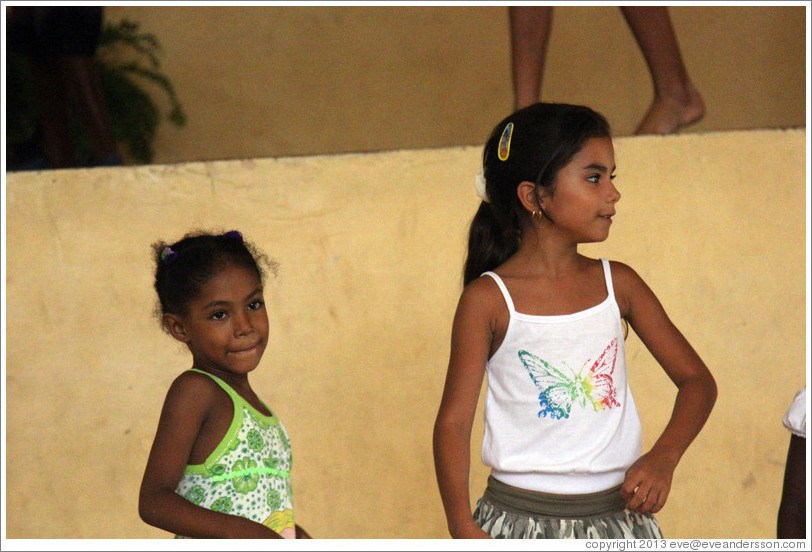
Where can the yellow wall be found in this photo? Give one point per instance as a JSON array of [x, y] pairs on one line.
[[370, 250], [264, 81]]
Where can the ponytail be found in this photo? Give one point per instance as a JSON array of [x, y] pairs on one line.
[[490, 242]]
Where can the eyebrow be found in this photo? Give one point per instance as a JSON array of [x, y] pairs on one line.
[[598, 167], [218, 303]]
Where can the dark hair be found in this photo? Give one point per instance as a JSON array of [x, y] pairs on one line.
[[542, 140], [184, 267]]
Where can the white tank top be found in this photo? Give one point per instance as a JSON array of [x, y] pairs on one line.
[[559, 413]]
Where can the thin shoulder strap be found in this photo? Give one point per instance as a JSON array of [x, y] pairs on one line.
[[607, 275], [503, 289], [235, 397]]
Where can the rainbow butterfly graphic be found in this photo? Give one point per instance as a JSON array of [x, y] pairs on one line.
[[560, 391]]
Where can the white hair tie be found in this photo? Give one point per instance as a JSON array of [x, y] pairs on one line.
[[481, 189]]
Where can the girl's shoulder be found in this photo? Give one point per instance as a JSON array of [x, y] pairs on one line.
[[195, 379], [621, 270], [482, 297], [195, 387], [627, 285], [484, 289], [623, 273]]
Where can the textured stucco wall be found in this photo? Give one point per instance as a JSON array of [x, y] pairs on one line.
[[370, 249]]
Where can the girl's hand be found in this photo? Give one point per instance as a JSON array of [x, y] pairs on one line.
[[243, 528], [648, 482], [470, 531]]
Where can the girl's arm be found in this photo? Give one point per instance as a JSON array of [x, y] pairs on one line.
[[470, 344], [188, 401], [648, 481]]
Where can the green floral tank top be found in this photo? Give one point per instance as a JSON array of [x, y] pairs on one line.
[[248, 473]]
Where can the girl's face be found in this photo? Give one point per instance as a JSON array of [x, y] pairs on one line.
[[583, 202], [226, 327]]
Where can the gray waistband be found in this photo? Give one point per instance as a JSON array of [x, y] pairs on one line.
[[553, 505]]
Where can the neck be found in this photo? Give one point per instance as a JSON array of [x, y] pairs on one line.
[[542, 251]]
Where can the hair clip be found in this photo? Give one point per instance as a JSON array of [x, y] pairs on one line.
[[233, 235], [168, 256], [504, 142]]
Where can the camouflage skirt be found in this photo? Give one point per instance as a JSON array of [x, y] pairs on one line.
[[506, 512]]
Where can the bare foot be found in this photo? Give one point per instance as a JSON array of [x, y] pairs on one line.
[[667, 114]]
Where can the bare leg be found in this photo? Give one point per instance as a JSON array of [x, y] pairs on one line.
[[81, 74], [676, 101], [58, 145], [529, 35]]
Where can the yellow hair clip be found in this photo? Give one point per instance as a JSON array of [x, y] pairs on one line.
[[504, 142]]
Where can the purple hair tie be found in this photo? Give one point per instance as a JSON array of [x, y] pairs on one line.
[[168, 256], [233, 235]]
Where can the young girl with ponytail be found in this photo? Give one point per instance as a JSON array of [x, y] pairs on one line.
[[562, 434]]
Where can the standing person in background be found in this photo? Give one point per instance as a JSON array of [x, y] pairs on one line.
[[676, 103], [61, 42]]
